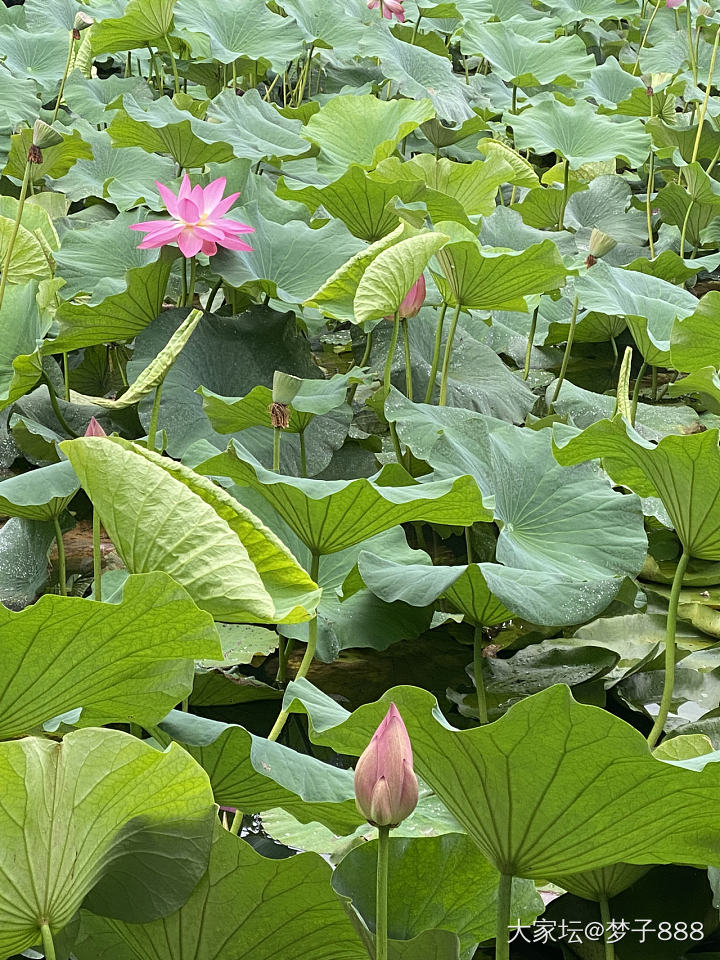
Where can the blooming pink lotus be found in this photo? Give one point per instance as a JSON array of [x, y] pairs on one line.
[[198, 222], [390, 8], [386, 788]]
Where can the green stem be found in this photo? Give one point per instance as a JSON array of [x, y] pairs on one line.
[[671, 624], [236, 823], [363, 363], [281, 675], [415, 29], [152, 428], [276, 449], [566, 192], [708, 88], [468, 544], [691, 46], [504, 897], [71, 47], [645, 36], [66, 376], [62, 573], [191, 286], [531, 341], [176, 78], [636, 392], [381, 889], [56, 407], [183, 282], [654, 383], [391, 353], [303, 455], [566, 355], [213, 293], [47, 942], [446, 358], [606, 918], [479, 676], [408, 361], [308, 656], [648, 202], [513, 105], [436, 354], [684, 228], [97, 556], [14, 233]]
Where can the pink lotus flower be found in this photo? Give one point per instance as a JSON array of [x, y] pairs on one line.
[[390, 8], [675, 3], [414, 299], [94, 429], [386, 788], [197, 221]]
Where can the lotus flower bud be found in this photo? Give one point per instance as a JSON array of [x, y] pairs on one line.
[[386, 788], [94, 429], [414, 299], [600, 244], [675, 3]]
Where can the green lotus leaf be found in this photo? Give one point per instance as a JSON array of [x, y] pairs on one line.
[[19, 100], [362, 130], [330, 23], [683, 471], [118, 662], [608, 84], [288, 260], [603, 883], [142, 22], [28, 260], [123, 829], [314, 926], [56, 161], [34, 218], [40, 494], [695, 341], [391, 275], [24, 548], [465, 903], [703, 383], [23, 324], [35, 55], [525, 62], [482, 279], [524, 174], [577, 11], [253, 774], [230, 563], [579, 134], [253, 128], [330, 515], [91, 98], [553, 787]]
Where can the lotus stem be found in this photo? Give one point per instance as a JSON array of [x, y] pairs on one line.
[[303, 455], [276, 449], [446, 357], [479, 676], [531, 341], [391, 353], [176, 78], [47, 942], [236, 823], [648, 202], [684, 228], [97, 555], [190, 296], [436, 354], [566, 192], [381, 891], [636, 393], [308, 656], [66, 376], [671, 625], [654, 384], [363, 363], [691, 45], [62, 572], [416, 27], [71, 47], [16, 227], [566, 355], [408, 361], [704, 105], [645, 36], [606, 920], [504, 896], [56, 407], [468, 544], [154, 415]]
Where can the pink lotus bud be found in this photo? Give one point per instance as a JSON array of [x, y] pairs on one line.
[[675, 3], [94, 429], [414, 299], [386, 788]]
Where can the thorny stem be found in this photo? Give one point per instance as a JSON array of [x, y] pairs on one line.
[[566, 191], [303, 455]]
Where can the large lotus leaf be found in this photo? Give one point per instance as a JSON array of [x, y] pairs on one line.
[[525, 62], [604, 205], [253, 774], [703, 383], [125, 177], [553, 787], [56, 161], [165, 517], [251, 30], [333, 23], [24, 546], [22, 326], [89, 98], [40, 494], [143, 22], [119, 317], [358, 200], [118, 662], [225, 354], [695, 340], [419, 73], [573, 11], [465, 902], [330, 515], [28, 260], [483, 279], [233, 913], [18, 99], [609, 84], [579, 134], [38, 13], [289, 260], [35, 55], [389, 278], [121, 827], [684, 471], [362, 129], [253, 128], [34, 219], [162, 127]]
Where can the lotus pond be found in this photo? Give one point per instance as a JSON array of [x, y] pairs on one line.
[[360, 480]]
